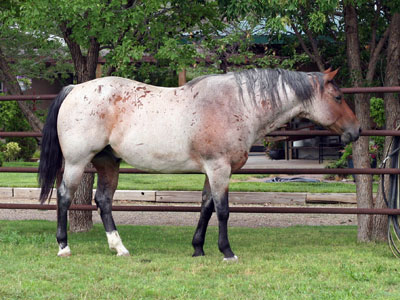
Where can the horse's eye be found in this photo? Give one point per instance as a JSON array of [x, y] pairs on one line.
[[338, 98]]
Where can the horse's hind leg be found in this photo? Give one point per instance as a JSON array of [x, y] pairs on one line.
[[107, 166], [65, 192], [207, 208]]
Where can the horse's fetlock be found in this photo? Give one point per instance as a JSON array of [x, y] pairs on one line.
[[197, 242], [61, 238], [198, 252], [64, 252], [225, 248]]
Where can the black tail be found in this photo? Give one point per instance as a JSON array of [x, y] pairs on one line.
[[51, 156]]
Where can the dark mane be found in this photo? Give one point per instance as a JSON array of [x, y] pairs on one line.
[[265, 83]]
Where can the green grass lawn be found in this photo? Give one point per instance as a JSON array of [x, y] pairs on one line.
[[187, 182], [274, 263]]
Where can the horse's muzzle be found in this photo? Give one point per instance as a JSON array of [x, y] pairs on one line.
[[351, 135]]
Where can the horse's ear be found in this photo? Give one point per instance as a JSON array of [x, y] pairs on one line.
[[327, 70], [328, 76]]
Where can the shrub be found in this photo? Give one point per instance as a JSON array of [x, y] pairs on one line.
[[1, 158], [28, 147], [341, 163], [377, 111], [12, 119], [11, 151]]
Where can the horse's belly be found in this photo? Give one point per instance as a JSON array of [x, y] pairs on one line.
[[156, 149], [158, 142], [159, 161]]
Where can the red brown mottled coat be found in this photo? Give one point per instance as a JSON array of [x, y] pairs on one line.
[[207, 125]]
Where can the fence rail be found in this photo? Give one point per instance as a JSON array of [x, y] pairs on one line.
[[310, 133], [234, 209], [366, 171], [353, 90], [27, 97]]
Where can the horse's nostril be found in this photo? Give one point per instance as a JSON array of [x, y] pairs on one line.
[[359, 130]]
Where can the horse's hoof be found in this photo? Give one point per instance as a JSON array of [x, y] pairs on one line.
[[123, 253], [65, 252], [231, 259], [198, 253]]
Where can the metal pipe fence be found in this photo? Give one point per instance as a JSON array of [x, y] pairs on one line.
[[305, 133], [358, 171], [234, 209], [288, 133]]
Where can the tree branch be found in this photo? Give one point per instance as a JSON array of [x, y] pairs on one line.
[[74, 47], [315, 55], [375, 56], [314, 46], [374, 25], [302, 43], [14, 88]]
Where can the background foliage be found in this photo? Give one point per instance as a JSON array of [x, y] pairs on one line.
[[11, 119]]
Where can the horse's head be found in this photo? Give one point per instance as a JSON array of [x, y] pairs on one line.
[[331, 110]]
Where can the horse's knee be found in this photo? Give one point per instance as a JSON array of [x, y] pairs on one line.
[[64, 198], [222, 213], [207, 209], [103, 202]]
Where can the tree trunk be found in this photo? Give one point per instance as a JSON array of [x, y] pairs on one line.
[[13, 88], [81, 220], [360, 148], [392, 113], [85, 70]]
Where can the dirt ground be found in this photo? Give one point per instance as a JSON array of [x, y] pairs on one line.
[[190, 219]]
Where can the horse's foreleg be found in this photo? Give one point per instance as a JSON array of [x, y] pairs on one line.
[[108, 167], [219, 181], [103, 201], [207, 208]]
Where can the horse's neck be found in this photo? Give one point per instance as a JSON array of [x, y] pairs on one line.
[[272, 117]]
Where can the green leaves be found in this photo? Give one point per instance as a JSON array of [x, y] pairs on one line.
[[317, 21], [32, 52], [377, 111]]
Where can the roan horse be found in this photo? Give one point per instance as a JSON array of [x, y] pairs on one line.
[[207, 125]]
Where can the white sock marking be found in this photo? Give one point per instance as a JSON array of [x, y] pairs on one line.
[[231, 259], [115, 242], [64, 252]]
